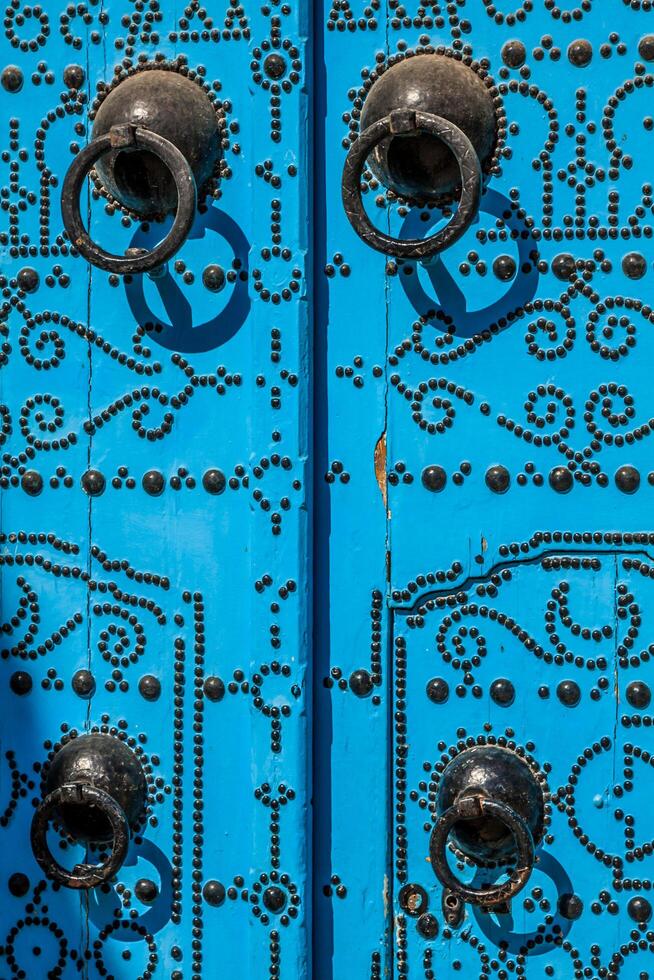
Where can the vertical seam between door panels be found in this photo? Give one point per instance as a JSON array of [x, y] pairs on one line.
[[84, 896]]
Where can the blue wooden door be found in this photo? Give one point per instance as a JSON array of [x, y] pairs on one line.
[[296, 531], [155, 501], [489, 412]]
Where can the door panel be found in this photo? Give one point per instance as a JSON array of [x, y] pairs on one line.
[[176, 574], [516, 387], [517, 465]]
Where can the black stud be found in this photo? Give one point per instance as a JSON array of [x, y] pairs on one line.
[[28, 279], [12, 79], [434, 478], [498, 479], [504, 267], [146, 891], [570, 906], [502, 692], [274, 66], [213, 278], [149, 687], [214, 893], [214, 689], [639, 694], [646, 47], [361, 683], [627, 479], [561, 479], [32, 483], [639, 909], [19, 884], [438, 690], [569, 693], [514, 54], [153, 482], [634, 265], [83, 683], [214, 481], [427, 926], [93, 483], [274, 898], [74, 76], [20, 682], [580, 53], [564, 266]]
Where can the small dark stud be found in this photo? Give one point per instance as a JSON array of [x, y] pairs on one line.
[[146, 891], [504, 267], [569, 693], [427, 926], [83, 683], [514, 54], [153, 482], [20, 682], [634, 265], [361, 683], [214, 689], [564, 266], [213, 278], [93, 483], [214, 893], [149, 687], [28, 279], [646, 47], [570, 906], [627, 479], [498, 479], [12, 79], [438, 690], [639, 694], [214, 481], [19, 884], [32, 483], [639, 909], [580, 53], [274, 66], [561, 479], [434, 478], [74, 76], [502, 692], [274, 898]]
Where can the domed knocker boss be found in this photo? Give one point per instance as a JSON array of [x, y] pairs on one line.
[[156, 142], [96, 790], [429, 132], [491, 807]]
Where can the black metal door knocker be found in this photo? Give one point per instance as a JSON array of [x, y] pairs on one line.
[[491, 806], [430, 130], [156, 142], [96, 790]]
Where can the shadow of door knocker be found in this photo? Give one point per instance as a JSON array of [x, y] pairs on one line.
[[180, 334], [448, 298], [103, 904], [498, 929]]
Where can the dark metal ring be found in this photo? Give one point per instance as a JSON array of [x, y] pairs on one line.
[[129, 138], [403, 122], [82, 875], [474, 808]]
